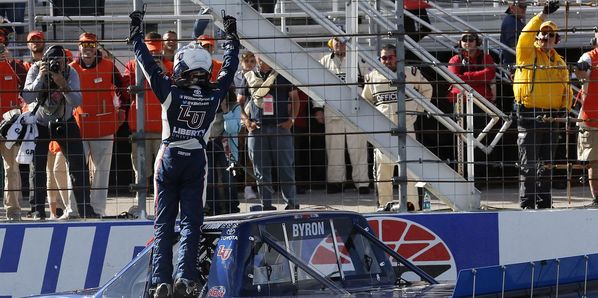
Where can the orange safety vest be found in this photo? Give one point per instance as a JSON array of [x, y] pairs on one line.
[[216, 67], [590, 104], [97, 116], [27, 65], [9, 84], [153, 109]]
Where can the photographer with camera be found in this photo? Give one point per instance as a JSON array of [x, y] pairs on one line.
[[54, 86], [189, 104]]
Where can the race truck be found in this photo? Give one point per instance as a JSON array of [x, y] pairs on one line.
[[334, 253]]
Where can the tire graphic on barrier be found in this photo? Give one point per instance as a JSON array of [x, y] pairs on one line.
[[413, 241], [417, 244]]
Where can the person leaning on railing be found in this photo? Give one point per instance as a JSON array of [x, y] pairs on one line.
[[541, 88]]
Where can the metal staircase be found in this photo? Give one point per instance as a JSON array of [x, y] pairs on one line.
[[295, 64]]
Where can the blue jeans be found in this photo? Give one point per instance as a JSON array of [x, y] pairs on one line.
[[271, 148]]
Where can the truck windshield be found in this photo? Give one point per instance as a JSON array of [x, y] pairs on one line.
[[330, 246]]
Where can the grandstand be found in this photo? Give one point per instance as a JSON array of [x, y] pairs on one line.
[[294, 37]]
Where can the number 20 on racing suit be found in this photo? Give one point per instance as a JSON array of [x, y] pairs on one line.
[[180, 169]]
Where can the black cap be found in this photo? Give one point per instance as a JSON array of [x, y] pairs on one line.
[[55, 51]]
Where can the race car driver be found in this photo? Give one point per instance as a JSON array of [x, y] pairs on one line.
[[188, 109]]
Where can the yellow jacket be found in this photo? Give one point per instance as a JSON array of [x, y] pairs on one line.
[[545, 88]]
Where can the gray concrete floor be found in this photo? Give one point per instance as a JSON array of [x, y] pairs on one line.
[[497, 198]]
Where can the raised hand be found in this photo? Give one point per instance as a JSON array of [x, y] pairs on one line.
[[230, 26], [551, 6]]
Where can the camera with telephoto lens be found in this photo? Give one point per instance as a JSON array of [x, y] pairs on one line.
[[57, 129], [54, 65]]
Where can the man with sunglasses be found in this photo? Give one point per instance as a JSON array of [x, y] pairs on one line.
[[510, 29], [337, 130], [474, 67], [541, 88], [100, 114], [170, 45], [383, 95]]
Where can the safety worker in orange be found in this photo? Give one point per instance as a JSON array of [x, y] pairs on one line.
[[208, 42], [9, 99], [153, 111], [100, 114], [587, 140]]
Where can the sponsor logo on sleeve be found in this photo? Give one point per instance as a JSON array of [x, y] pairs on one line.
[[224, 253], [217, 291]]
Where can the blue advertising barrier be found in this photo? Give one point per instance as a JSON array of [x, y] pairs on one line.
[[59, 256], [527, 276]]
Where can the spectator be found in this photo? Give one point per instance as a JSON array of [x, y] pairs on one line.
[[58, 184], [414, 29], [54, 85], [220, 177], [473, 67], [170, 45], [510, 29], [541, 88], [181, 168], [209, 43], [14, 12], [338, 132], [270, 116], [99, 115], [36, 42], [302, 141], [380, 93], [217, 160], [248, 63], [153, 111], [9, 99], [587, 140]]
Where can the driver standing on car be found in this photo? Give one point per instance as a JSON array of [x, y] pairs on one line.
[[188, 110]]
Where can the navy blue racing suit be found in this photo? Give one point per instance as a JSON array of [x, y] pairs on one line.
[[181, 166]]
